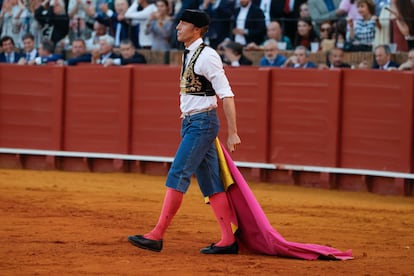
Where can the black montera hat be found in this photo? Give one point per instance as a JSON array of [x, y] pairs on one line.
[[196, 17]]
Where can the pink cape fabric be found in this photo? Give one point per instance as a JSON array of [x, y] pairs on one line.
[[255, 232]]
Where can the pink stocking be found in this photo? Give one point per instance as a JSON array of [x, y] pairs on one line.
[[225, 217], [172, 203]]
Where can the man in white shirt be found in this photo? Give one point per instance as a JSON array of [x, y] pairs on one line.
[[141, 17], [202, 80]]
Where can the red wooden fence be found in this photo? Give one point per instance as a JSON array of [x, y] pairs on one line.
[[305, 127]]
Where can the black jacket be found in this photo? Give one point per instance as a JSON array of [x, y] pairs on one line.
[[136, 58], [57, 24], [255, 25]]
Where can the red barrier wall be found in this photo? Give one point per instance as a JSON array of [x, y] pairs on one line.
[[251, 89], [155, 124], [96, 116], [31, 106], [97, 109], [377, 120], [304, 116], [330, 118]]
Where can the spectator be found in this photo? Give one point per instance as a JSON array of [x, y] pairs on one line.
[[305, 33], [46, 54], [383, 58], [335, 59], [32, 25], [233, 55], [160, 24], [300, 59], [141, 17], [119, 26], [29, 50], [79, 53], [99, 30], [105, 51], [304, 10], [77, 29], [12, 15], [361, 35], [409, 64], [52, 16], [403, 11], [265, 7], [326, 35], [349, 9], [220, 13], [82, 10], [323, 10], [8, 53], [274, 31], [249, 24], [287, 12], [271, 55], [129, 55]]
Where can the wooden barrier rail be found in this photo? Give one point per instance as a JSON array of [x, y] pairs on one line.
[[352, 58], [344, 129]]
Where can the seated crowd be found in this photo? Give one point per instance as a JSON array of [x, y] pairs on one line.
[[110, 32]]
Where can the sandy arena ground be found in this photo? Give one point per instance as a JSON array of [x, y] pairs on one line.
[[65, 223]]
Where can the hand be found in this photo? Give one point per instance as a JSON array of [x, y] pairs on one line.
[[238, 31], [21, 5], [350, 22], [121, 17], [103, 7], [108, 62], [363, 64], [232, 141]]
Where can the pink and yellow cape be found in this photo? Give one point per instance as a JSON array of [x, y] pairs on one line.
[[254, 231]]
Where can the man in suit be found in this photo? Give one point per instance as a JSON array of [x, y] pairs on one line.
[[8, 54], [29, 52], [220, 12], [79, 53], [300, 59], [383, 58], [335, 59], [105, 51], [119, 26], [287, 12], [129, 55], [46, 53], [249, 24]]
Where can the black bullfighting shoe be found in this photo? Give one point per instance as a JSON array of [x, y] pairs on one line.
[[213, 249], [144, 243]]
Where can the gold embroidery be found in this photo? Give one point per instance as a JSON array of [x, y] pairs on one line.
[[190, 82]]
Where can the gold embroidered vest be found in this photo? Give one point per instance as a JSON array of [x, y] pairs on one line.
[[192, 83]]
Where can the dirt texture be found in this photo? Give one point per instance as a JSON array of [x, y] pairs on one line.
[[72, 223]]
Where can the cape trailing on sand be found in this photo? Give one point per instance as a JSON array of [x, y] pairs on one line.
[[254, 231]]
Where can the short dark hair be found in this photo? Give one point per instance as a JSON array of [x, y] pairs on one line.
[[48, 45], [80, 40], [6, 38], [386, 48], [127, 41], [236, 47], [28, 36]]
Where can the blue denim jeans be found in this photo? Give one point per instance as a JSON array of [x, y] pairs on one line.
[[197, 155]]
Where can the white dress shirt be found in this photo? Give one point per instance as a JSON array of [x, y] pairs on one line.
[[209, 65]]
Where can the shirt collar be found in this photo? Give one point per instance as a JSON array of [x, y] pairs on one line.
[[195, 44]]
